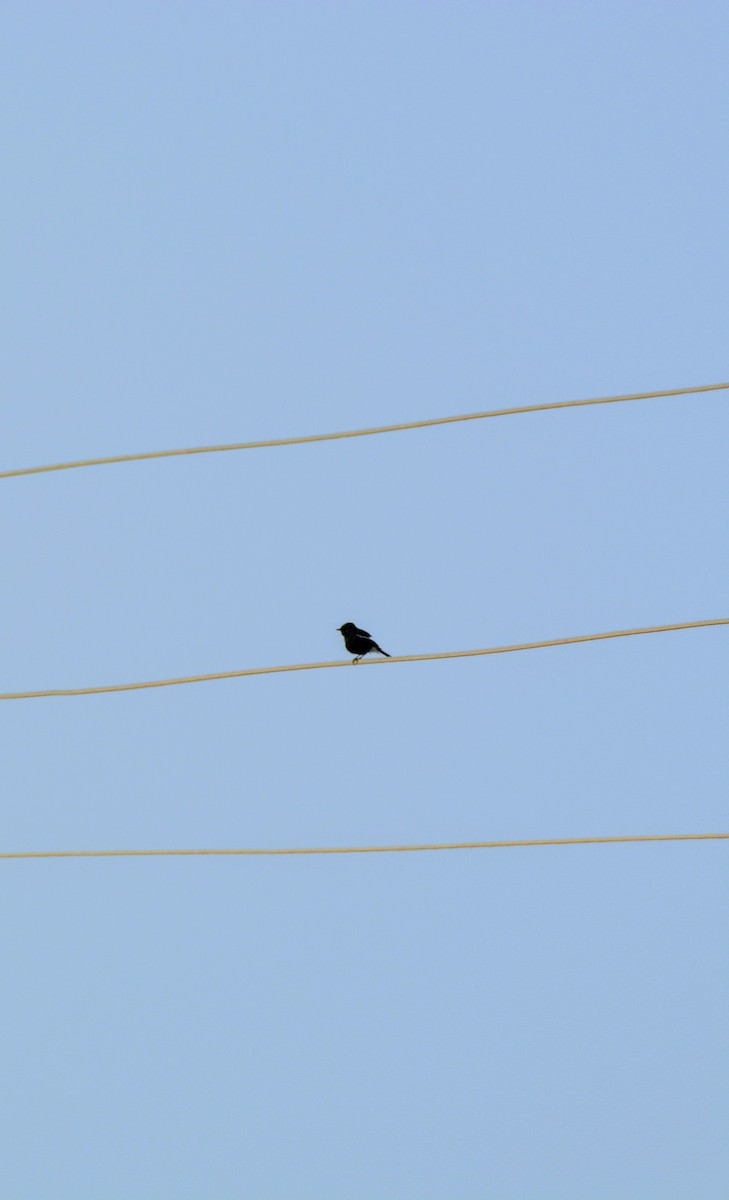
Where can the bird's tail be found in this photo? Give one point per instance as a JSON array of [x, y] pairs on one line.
[[379, 648]]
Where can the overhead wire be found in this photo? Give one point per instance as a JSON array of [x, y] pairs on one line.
[[381, 849], [318, 666], [353, 433]]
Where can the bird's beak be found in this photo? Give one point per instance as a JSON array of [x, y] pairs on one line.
[[339, 628]]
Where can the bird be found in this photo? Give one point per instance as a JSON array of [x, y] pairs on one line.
[[358, 641]]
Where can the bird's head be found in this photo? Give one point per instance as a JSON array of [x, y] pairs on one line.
[[347, 627]]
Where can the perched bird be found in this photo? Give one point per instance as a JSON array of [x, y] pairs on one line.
[[358, 641]]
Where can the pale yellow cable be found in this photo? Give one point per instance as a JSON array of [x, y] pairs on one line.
[[574, 841], [351, 433], [318, 666]]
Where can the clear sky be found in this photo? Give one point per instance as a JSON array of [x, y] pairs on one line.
[[235, 221]]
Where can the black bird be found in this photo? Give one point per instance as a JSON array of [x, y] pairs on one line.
[[358, 641]]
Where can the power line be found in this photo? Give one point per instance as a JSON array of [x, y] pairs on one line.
[[317, 666], [396, 849], [352, 433]]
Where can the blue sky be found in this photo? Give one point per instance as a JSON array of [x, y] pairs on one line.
[[250, 221]]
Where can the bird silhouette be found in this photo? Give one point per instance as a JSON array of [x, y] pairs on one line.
[[358, 641]]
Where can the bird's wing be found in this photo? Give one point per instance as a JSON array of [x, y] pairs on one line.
[[363, 633]]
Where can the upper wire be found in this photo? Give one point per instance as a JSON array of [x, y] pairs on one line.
[[352, 433]]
